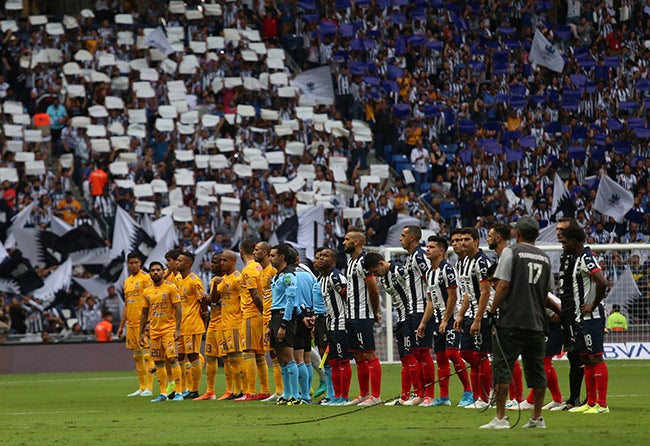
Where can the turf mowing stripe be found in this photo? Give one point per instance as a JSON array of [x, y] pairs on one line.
[[31, 381]]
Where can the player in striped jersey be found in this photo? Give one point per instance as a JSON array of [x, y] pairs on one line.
[[333, 287], [589, 287], [475, 338], [392, 278], [416, 268], [454, 354], [441, 305], [361, 313]]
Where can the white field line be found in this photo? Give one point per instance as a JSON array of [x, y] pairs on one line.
[[44, 381], [48, 412]]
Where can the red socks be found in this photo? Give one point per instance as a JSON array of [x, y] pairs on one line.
[[443, 373], [363, 375], [374, 370], [601, 379], [468, 356], [336, 376], [460, 367], [590, 384], [427, 372], [414, 373], [485, 375], [345, 369], [515, 385], [551, 379], [406, 379]]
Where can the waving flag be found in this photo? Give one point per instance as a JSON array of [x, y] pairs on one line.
[[613, 199], [543, 53], [562, 204]]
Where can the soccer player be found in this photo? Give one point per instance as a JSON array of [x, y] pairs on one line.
[[475, 338], [454, 336], [252, 325], [228, 295], [392, 277], [214, 334], [134, 286], [362, 312], [525, 279], [192, 294], [282, 326], [261, 254], [441, 281], [172, 275], [567, 315], [304, 325], [333, 288], [589, 287], [416, 268], [162, 308], [320, 340]]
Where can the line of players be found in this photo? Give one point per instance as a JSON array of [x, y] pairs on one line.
[[275, 299]]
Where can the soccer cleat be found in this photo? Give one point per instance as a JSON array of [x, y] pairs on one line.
[[207, 396], [524, 405], [303, 401], [186, 394], [597, 409], [136, 393], [159, 398], [284, 402], [341, 402], [426, 402], [192, 395], [357, 400], [178, 397], [170, 387], [538, 423], [272, 398], [581, 409], [496, 424], [555, 406], [325, 401], [415, 401], [322, 388], [234, 397], [479, 404], [397, 402], [371, 401], [146, 392], [246, 397], [466, 399], [225, 396], [440, 401]]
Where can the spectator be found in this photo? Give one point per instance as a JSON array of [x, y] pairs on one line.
[[616, 321], [104, 329], [114, 305]]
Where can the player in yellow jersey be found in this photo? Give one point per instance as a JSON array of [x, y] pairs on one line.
[[134, 286], [252, 328], [229, 296], [162, 308], [214, 335], [261, 254], [192, 294]]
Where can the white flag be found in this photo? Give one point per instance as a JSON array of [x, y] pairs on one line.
[[198, 255], [308, 235], [562, 204], [613, 199], [58, 280], [543, 53], [624, 290], [316, 85], [158, 40]]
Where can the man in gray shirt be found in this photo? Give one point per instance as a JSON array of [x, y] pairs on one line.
[[525, 278]]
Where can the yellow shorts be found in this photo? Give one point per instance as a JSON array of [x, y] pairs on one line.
[[253, 330], [192, 343], [214, 344], [132, 339], [163, 347], [231, 340]]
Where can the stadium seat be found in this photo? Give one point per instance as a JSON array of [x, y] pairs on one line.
[[388, 153], [399, 158], [449, 211]]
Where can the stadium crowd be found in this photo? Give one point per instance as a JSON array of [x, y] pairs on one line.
[[445, 87]]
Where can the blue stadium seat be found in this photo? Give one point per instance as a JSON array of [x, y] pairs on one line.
[[399, 158], [388, 153], [424, 187]]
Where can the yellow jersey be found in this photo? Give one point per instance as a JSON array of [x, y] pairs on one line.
[[162, 316], [250, 279], [215, 311], [230, 291], [134, 287], [190, 289], [266, 276]]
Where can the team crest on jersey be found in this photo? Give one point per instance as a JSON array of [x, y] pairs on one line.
[[287, 280]]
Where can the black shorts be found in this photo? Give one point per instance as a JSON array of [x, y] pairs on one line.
[[339, 345], [320, 331], [303, 337], [554, 340], [413, 320], [274, 325], [452, 337], [591, 337], [514, 342], [440, 341], [569, 328], [480, 343], [398, 332], [361, 334]]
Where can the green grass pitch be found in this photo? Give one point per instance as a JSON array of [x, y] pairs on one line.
[[91, 408]]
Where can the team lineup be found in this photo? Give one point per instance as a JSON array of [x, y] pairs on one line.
[[475, 315]]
